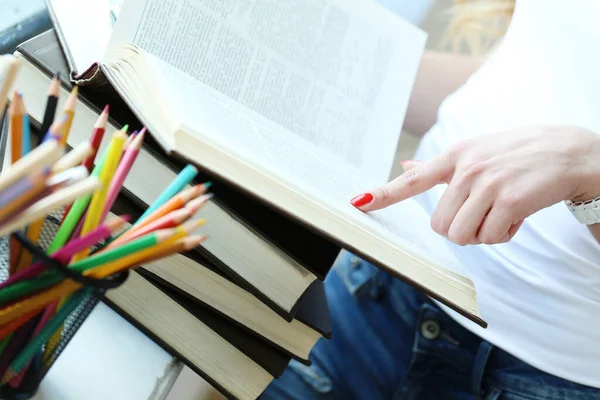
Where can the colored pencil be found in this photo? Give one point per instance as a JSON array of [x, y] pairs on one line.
[[133, 259], [57, 130], [122, 171], [44, 155], [69, 111], [16, 129], [11, 73], [170, 220], [15, 324], [67, 177], [26, 188], [29, 351], [26, 288], [26, 143], [95, 209], [51, 103], [196, 204], [43, 320], [130, 139], [50, 203], [182, 179], [17, 341], [180, 246], [96, 138], [64, 254], [4, 343], [175, 203], [73, 157], [74, 216], [37, 301], [21, 187]]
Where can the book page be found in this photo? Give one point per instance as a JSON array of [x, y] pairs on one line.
[[337, 73], [84, 28], [298, 161]]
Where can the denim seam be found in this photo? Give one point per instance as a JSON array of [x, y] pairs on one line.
[[399, 393], [527, 396]]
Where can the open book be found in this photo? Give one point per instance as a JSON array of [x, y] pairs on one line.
[[301, 104]]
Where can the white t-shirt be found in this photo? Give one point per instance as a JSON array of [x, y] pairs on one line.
[[540, 293]]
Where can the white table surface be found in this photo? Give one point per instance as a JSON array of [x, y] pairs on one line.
[[107, 359]]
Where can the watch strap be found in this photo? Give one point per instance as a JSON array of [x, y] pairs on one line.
[[586, 212]]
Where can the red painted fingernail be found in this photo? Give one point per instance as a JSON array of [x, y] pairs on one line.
[[362, 200]]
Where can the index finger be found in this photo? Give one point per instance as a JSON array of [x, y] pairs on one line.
[[416, 180]]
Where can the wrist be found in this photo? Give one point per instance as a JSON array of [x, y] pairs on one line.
[[587, 169]]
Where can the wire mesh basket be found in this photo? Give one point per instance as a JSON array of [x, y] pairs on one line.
[[25, 384]]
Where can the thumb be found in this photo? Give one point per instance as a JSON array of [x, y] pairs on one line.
[[418, 177]]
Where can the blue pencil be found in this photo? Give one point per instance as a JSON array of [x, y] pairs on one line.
[[26, 143], [184, 178]]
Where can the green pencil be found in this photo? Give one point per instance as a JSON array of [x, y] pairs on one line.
[[25, 288], [72, 218], [35, 344]]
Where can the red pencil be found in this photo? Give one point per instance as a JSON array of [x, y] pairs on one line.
[[95, 141], [171, 220], [96, 138]]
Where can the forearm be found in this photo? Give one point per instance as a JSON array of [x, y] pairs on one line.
[[439, 74]]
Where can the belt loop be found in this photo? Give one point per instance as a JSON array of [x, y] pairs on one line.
[[481, 359], [378, 283]]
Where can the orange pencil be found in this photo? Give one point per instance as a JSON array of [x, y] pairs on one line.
[[15, 324], [175, 203], [37, 301], [171, 220], [16, 128], [69, 111], [180, 246]]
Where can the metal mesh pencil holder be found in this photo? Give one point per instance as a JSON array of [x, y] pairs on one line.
[[92, 292]]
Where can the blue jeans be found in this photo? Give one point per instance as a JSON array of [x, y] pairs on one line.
[[391, 342]]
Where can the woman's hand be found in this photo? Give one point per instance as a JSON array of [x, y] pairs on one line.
[[495, 181]]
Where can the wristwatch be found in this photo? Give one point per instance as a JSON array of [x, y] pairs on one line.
[[587, 212]]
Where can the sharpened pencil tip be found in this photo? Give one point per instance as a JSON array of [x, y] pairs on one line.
[[207, 185], [106, 109], [125, 128]]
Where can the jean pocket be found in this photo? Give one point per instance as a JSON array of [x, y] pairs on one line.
[[492, 394], [313, 375], [357, 275]]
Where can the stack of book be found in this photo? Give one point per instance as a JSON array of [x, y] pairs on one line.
[[290, 109]]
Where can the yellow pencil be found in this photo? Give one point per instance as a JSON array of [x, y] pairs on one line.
[[69, 111], [37, 301], [96, 206], [67, 286]]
